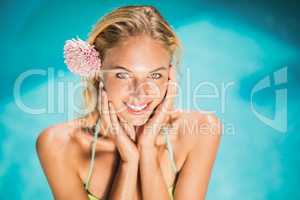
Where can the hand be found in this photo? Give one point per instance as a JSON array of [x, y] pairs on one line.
[[121, 133], [152, 128]]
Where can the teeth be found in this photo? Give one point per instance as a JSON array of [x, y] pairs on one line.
[[137, 108]]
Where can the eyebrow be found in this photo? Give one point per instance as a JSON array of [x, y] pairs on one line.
[[124, 68]]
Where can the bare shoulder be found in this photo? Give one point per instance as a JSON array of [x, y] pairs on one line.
[[53, 140], [199, 128], [50, 136], [64, 140], [60, 156]]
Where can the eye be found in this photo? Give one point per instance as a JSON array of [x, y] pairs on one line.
[[156, 75], [122, 75]]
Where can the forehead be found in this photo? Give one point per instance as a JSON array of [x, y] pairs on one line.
[[138, 53]]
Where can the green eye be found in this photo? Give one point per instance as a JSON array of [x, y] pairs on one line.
[[122, 75], [156, 75]]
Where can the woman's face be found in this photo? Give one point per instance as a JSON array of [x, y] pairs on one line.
[[135, 77]]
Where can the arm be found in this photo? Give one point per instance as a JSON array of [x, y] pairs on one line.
[[195, 174], [62, 177], [124, 185], [153, 183], [125, 182]]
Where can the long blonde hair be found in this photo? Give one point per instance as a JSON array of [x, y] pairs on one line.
[[120, 24]]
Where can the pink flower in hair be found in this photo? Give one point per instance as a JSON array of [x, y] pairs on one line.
[[81, 58]]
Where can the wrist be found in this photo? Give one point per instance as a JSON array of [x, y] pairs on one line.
[[149, 158], [148, 152], [132, 164], [146, 147]]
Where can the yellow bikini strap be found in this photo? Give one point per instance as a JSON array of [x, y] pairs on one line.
[[93, 151], [170, 149]]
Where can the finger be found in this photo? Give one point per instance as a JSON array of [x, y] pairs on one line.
[[159, 115], [103, 144], [166, 106], [104, 113], [169, 99], [120, 130], [173, 78], [104, 102], [100, 96], [114, 121], [103, 128], [172, 88], [129, 129]]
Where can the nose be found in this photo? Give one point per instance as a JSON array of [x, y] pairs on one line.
[[141, 88]]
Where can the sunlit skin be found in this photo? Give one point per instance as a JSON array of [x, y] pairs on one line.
[[135, 72]]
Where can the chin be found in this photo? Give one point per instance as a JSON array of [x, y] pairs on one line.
[[139, 122], [135, 120]]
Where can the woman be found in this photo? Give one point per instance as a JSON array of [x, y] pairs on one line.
[[133, 144]]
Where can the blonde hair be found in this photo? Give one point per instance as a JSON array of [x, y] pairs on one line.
[[122, 23]]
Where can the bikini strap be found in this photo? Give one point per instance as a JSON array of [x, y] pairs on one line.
[[170, 149], [93, 153]]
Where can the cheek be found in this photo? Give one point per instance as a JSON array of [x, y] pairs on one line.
[[159, 92], [116, 90]]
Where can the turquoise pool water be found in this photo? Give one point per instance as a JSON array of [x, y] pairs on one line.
[[240, 60]]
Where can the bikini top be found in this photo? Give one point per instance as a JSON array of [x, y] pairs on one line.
[[92, 161]]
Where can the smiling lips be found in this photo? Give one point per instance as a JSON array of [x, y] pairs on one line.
[[137, 109]]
